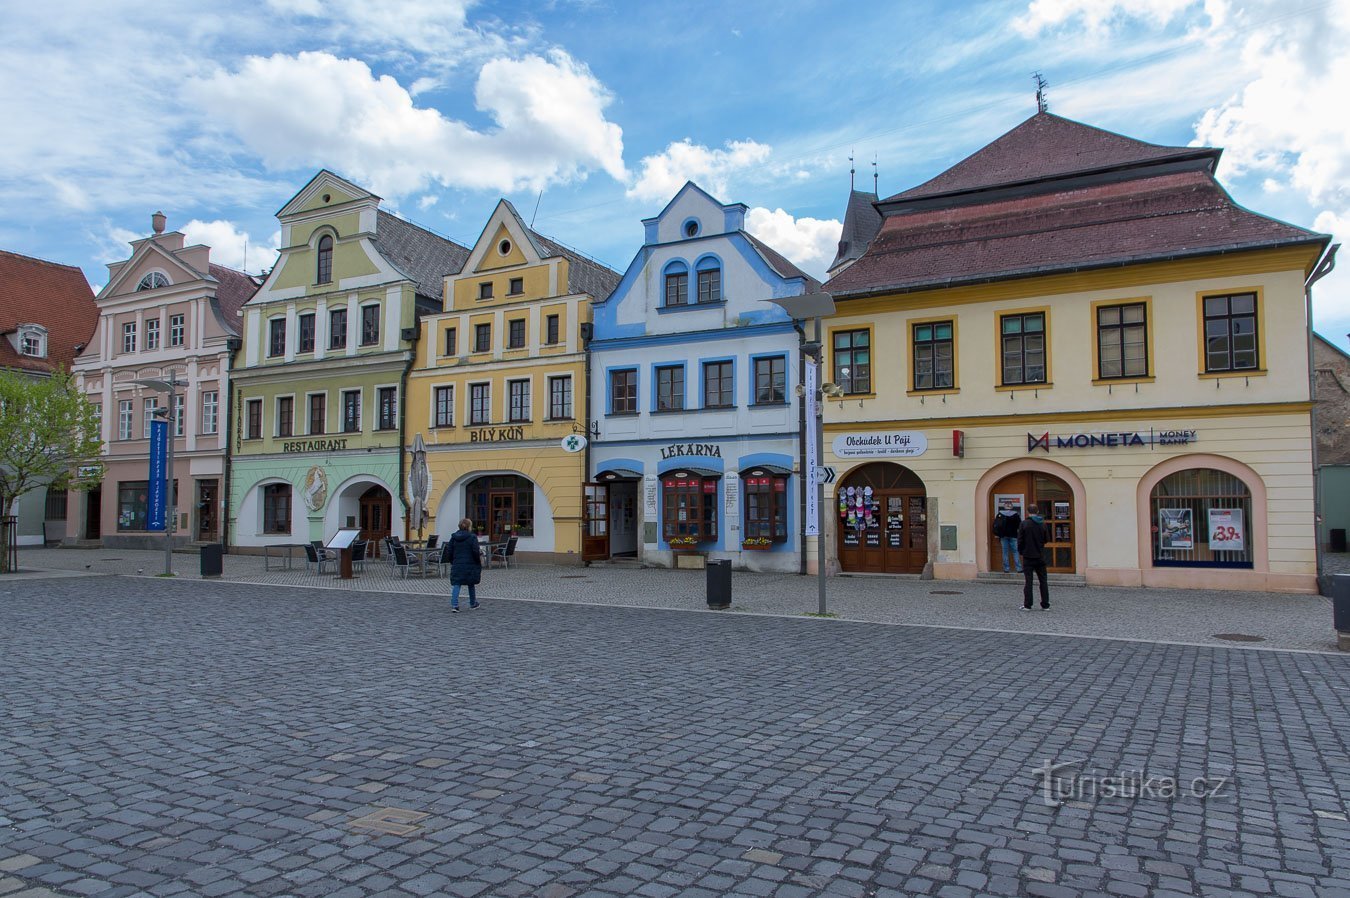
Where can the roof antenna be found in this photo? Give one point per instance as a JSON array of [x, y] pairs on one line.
[[539, 200], [874, 174], [1041, 85], [850, 171], [245, 255]]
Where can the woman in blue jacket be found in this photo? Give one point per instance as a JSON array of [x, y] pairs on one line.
[[466, 564]]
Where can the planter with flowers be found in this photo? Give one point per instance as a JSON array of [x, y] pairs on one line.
[[757, 542], [683, 543]]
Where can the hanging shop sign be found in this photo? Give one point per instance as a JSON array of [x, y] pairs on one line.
[[881, 444], [573, 443], [708, 450], [1126, 439], [496, 434], [314, 445], [1225, 530]]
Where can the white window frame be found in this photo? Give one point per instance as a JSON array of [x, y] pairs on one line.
[[177, 329], [128, 336], [126, 418], [210, 412]]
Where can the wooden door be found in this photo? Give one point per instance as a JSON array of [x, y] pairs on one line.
[[595, 526], [376, 516], [1054, 498], [501, 515], [208, 510], [882, 518]]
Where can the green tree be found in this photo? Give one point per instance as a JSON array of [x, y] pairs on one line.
[[47, 429]]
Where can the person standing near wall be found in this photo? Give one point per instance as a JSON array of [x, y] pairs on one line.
[[1007, 524], [1031, 540]]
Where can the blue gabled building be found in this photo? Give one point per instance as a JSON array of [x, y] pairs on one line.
[[693, 389]]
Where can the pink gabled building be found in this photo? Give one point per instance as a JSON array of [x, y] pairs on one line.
[[167, 311]]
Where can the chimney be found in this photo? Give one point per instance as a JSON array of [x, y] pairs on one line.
[[157, 221]]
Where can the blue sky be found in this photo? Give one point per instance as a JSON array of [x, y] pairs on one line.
[[442, 106]]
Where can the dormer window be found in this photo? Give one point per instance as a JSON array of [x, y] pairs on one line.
[[33, 340], [324, 270], [153, 281]]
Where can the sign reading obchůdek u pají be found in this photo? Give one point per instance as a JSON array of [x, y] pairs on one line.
[[881, 444]]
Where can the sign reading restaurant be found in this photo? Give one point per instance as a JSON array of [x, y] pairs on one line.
[[881, 444], [1117, 440], [314, 445]]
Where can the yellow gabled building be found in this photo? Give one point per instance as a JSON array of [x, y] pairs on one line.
[[498, 384]]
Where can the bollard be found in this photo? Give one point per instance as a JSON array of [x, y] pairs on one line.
[[1340, 609]]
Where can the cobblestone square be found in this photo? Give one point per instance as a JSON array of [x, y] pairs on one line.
[[216, 738]]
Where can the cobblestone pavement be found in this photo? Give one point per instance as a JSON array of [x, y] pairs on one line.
[[1188, 616], [174, 738]]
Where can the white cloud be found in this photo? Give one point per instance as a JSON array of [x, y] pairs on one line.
[[663, 174], [810, 242], [1097, 16], [315, 109], [232, 246]]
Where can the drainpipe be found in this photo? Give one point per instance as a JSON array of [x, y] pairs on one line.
[[586, 332], [403, 420], [232, 347], [804, 480], [1323, 268]]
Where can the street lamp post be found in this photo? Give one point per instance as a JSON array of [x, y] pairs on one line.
[[170, 389], [813, 306]]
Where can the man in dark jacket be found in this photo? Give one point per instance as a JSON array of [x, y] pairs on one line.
[[1031, 540], [1007, 522], [466, 564]]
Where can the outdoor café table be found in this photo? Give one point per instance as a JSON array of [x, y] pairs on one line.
[[422, 555], [287, 555]]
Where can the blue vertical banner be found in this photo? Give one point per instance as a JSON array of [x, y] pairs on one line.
[[157, 496]]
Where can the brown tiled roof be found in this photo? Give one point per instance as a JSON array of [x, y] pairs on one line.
[[1045, 146], [236, 288], [35, 291], [1111, 223]]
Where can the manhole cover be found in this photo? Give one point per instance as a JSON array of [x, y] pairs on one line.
[[945, 592], [390, 821], [1239, 637]]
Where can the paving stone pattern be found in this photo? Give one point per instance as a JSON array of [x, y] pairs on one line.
[[171, 738]]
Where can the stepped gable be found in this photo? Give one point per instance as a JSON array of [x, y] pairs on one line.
[[56, 296], [423, 256], [234, 290], [1125, 207]]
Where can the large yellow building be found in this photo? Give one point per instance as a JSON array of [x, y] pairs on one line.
[[1080, 320], [499, 383]]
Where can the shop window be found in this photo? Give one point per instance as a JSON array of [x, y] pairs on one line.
[[934, 354], [1122, 341], [277, 508], [1230, 333], [765, 508], [771, 380], [132, 504], [445, 406], [305, 323], [623, 392], [677, 285], [852, 358], [337, 329], [56, 505], [501, 506], [370, 325], [1201, 518], [689, 504], [718, 385], [1023, 348], [670, 388], [518, 394], [324, 269]]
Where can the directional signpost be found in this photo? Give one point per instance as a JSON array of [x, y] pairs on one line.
[[825, 475]]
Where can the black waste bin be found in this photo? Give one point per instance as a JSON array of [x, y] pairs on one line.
[[719, 584], [1340, 602], [1338, 539], [213, 560]]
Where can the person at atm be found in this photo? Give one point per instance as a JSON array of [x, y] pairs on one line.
[[1006, 525]]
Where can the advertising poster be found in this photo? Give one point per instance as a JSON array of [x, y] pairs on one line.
[[157, 510], [1225, 530], [1175, 529], [1010, 502]]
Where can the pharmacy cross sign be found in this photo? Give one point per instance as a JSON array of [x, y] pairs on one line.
[[573, 443]]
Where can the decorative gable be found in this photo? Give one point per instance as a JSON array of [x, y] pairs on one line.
[[326, 191]]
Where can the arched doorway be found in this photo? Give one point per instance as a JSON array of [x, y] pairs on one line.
[[1054, 498], [883, 520], [376, 516], [502, 505]]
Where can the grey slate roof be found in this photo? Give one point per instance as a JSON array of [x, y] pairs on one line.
[[779, 263], [861, 223], [583, 275], [423, 256]]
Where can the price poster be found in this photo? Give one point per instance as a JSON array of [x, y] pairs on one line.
[[1175, 530], [1225, 529]]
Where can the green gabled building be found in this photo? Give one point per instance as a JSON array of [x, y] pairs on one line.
[[317, 391]]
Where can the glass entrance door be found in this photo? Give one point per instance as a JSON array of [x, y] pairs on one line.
[[501, 515], [595, 536]]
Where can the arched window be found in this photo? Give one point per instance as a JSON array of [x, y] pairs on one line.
[[325, 267], [709, 280], [153, 281], [677, 284], [501, 505], [1201, 517]]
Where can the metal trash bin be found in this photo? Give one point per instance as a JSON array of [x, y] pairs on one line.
[[213, 560], [1340, 609], [1338, 539], [719, 583]]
